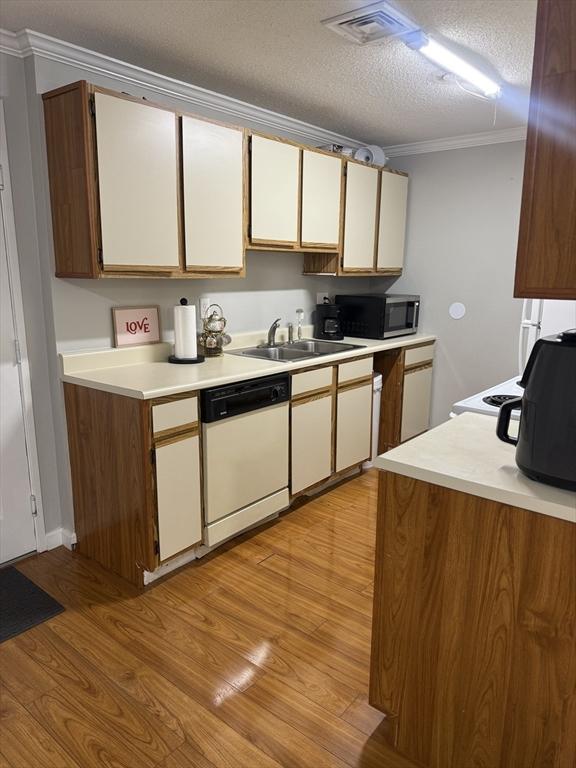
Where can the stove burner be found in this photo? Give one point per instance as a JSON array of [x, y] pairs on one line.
[[498, 400]]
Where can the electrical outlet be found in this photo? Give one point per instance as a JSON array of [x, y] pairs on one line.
[[320, 297], [204, 304]]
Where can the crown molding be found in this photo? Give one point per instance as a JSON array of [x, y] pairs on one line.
[[11, 43], [458, 142], [29, 43]]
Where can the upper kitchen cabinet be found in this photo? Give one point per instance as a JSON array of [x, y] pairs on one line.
[[391, 221], [113, 169], [360, 218], [213, 165], [139, 190], [321, 200], [138, 184], [274, 193], [546, 260]]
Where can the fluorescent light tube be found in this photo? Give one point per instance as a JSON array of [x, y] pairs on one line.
[[450, 62]]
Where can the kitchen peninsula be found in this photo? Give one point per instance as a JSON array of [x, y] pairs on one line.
[[473, 639]]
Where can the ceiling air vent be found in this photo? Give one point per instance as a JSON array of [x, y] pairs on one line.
[[371, 24]]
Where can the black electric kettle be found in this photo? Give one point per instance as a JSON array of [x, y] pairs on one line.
[[546, 444]]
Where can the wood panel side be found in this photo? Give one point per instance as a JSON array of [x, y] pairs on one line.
[[473, 629], [546, 258], [72, 179], [110, 458], [391, 365]]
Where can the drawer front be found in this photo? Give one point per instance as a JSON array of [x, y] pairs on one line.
[[176, 414], [355, 369], [309, 381], [417, 355]]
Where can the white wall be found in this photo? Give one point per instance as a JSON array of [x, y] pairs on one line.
[[274, 287], [463, 214]]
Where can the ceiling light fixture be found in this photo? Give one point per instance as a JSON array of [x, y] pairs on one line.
[[450, 62]]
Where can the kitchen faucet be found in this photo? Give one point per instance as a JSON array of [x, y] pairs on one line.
[[272, 333]]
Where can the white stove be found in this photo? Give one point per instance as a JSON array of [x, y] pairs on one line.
[[477, 404]]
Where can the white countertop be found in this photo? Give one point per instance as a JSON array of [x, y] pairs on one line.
[[144, 372], [464, 454]]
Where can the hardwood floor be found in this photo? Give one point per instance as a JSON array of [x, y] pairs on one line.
[[254, 657]]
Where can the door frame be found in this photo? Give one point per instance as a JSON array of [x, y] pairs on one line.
[[15, 289]]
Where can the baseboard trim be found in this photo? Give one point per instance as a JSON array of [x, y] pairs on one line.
[[60, 537]]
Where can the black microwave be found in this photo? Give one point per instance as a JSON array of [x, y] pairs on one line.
[[378, 315]]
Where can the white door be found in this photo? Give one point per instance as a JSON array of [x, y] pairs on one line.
[[213, 168], [137, 147], [392, 220], [321, 193], [311, 444], [274, 183], [17, 534], [416, 402], [360, 217], [353, 426], [179, 495]]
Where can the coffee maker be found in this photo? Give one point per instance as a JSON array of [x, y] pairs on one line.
[[546, 442], [327, 321]]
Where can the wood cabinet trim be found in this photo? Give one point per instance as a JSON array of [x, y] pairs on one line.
[[364, 381], [172, 435], [309, 397], [545, 261], [78, 259], [413, 367]]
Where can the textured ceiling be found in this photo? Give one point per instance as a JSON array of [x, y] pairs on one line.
[[276, 54]]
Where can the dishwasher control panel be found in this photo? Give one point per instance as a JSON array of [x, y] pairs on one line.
[[244, 396]]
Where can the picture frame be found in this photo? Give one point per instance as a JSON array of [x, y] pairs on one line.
[[134, 326]]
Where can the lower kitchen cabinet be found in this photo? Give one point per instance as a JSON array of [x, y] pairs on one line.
[[178, 494], [406, 393], [311, 443], [353, 424], [416, 402], [135, 468]]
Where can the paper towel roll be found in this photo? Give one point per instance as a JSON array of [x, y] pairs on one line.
[[185, 331]]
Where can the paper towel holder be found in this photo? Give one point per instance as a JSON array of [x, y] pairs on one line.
[[186, 360]]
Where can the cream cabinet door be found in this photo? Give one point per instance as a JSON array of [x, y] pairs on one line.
[[138, 184], [353, 426], [311, 442], [321, 193], [178, 495], [360, 217], [212, 162], [392, 220], [416, 402], [274, 187]]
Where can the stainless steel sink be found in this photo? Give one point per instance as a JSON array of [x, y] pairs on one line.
[[281, 354], [317, 347], [299, 350]]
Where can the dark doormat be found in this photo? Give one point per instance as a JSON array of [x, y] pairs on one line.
[[23, 605]]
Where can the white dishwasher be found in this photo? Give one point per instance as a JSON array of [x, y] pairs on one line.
[[245, 430]]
